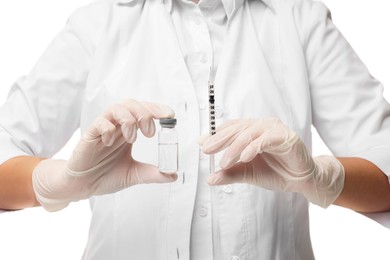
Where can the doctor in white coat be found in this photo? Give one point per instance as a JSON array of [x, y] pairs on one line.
[[279, 67]]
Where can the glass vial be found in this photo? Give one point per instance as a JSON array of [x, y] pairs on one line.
[[168, 146]]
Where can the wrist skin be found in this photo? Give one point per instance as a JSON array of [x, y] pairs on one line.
[[16, 191], [366, 187]]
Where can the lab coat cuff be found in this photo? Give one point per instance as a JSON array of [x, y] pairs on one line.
[[382, 218], [9, 149], [379, 156]]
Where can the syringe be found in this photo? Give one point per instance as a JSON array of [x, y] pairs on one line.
[[211, 116]]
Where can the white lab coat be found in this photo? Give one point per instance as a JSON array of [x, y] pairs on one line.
[[281, 58]]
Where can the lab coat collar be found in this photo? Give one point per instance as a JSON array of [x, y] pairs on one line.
[[230, 5]]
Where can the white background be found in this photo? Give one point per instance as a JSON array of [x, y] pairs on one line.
[[26, 29]]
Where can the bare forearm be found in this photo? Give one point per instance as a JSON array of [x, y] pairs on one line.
[[366, 187], [16, 190]]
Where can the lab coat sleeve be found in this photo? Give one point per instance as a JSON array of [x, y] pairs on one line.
[[42, 110], [348, 107]]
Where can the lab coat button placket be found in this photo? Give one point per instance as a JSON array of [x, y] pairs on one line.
[[202, 106], [218, 111], [203, 212], [203, 57], [202, 155], [196, 20], [227, 189]]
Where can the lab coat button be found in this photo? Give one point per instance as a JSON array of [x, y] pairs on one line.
[[235, 258], [203, 57], [203, 212], [202, 106], [202, 155], [227, 189]]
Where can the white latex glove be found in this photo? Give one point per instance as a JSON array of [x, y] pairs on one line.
[[268, 154], [102, 163]]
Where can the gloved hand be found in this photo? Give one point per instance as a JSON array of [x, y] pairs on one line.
[[102, 163], [268, 154]]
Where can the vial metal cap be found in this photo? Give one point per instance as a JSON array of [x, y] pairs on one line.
[[168, 122]]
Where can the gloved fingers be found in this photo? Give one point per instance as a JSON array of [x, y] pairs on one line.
[[231, 131], [145, 112], [159, 110], [203, 138], [247, 141], [101, 129], [147, 173], [278, 141], [143, 116], [274, 139], [222, 139], [229, 123], [235, 174], [121, 117], [226, 124], [255, 147], [233, 152], [274, 133]]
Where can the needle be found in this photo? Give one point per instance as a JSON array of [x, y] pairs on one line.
[[211, 116]]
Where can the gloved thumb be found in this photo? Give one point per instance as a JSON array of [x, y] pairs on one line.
[[147, 173], [235, 174]]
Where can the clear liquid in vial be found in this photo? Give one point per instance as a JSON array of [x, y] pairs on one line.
[[168, 157]]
